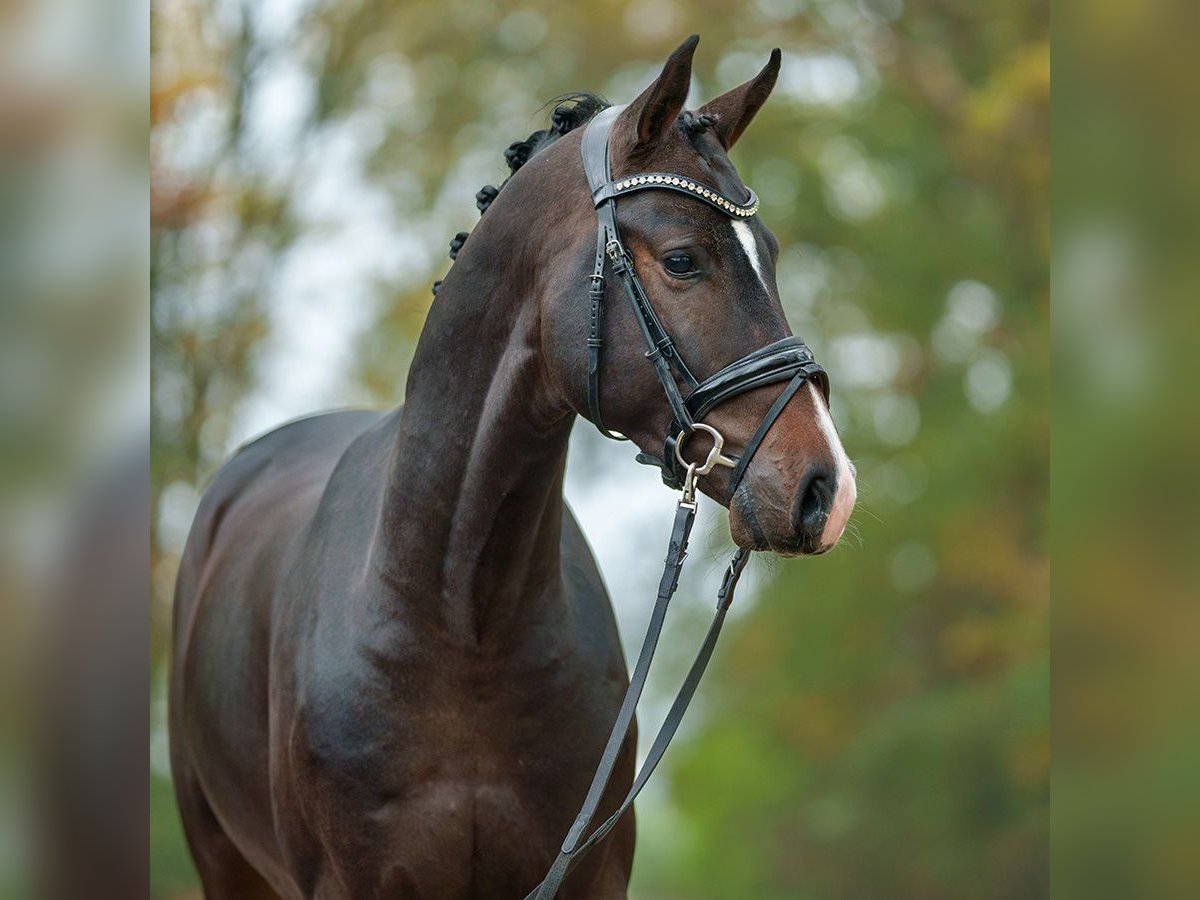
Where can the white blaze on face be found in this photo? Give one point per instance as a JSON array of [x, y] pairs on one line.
[[746, 238], [847, 490]]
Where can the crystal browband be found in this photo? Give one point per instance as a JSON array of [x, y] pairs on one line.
[[660, 180]]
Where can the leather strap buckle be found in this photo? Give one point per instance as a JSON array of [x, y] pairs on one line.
[[616, 253]]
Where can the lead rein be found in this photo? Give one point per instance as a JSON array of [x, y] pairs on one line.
[[574, 848]]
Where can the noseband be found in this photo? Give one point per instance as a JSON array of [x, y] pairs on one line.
[[787, 359]]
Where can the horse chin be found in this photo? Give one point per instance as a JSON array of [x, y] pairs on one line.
[[749, 534], [744, 527]]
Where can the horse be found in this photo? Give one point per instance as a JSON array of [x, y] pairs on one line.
[[394, 660]]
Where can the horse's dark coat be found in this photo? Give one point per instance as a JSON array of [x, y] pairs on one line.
[[395, 661]]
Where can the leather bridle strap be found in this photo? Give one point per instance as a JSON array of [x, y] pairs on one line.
[[661, 352], [575, 846], [678, 707], [764, 426], [777, 361], [611, 251], [595, 340]]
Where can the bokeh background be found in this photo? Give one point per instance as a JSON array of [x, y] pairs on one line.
[[905, 774], [876, 722]]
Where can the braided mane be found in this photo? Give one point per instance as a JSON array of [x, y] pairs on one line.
[[570, 112]]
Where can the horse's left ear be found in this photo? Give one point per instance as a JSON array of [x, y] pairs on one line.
[[735, 109]]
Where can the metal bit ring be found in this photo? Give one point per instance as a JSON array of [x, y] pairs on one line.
[[715, 456]]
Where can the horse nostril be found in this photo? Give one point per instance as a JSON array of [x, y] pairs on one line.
[[814, 499]]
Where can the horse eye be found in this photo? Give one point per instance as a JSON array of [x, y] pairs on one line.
[[680, 265]]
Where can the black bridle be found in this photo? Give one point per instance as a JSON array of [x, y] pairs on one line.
[[787, 359]]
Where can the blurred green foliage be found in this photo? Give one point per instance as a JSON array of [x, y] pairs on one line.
[[877, 723], [1127, 571]]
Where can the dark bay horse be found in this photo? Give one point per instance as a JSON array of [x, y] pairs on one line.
[[395, 662]]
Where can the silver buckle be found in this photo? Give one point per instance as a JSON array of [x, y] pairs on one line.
[[689, 488], [715, 456]]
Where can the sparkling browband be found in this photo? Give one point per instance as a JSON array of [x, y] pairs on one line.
[[660, 180]]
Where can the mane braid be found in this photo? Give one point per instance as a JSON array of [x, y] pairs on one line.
[[695, 125], [570, 112]]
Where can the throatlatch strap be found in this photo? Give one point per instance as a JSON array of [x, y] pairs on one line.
[[574, 848]]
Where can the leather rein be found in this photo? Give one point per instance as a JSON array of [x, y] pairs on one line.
[[786, 360]]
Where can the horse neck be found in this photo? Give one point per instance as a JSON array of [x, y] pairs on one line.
[[472, 515]]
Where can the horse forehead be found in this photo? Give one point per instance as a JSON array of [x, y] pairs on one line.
[[717, 161], [716, 170]]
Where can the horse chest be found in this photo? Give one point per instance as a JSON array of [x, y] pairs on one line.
[[461, 725], [463, 770]]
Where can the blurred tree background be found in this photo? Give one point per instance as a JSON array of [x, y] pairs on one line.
[[877, 722]]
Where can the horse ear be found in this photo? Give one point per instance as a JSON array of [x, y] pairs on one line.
[[735, 109], [657, 108]]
